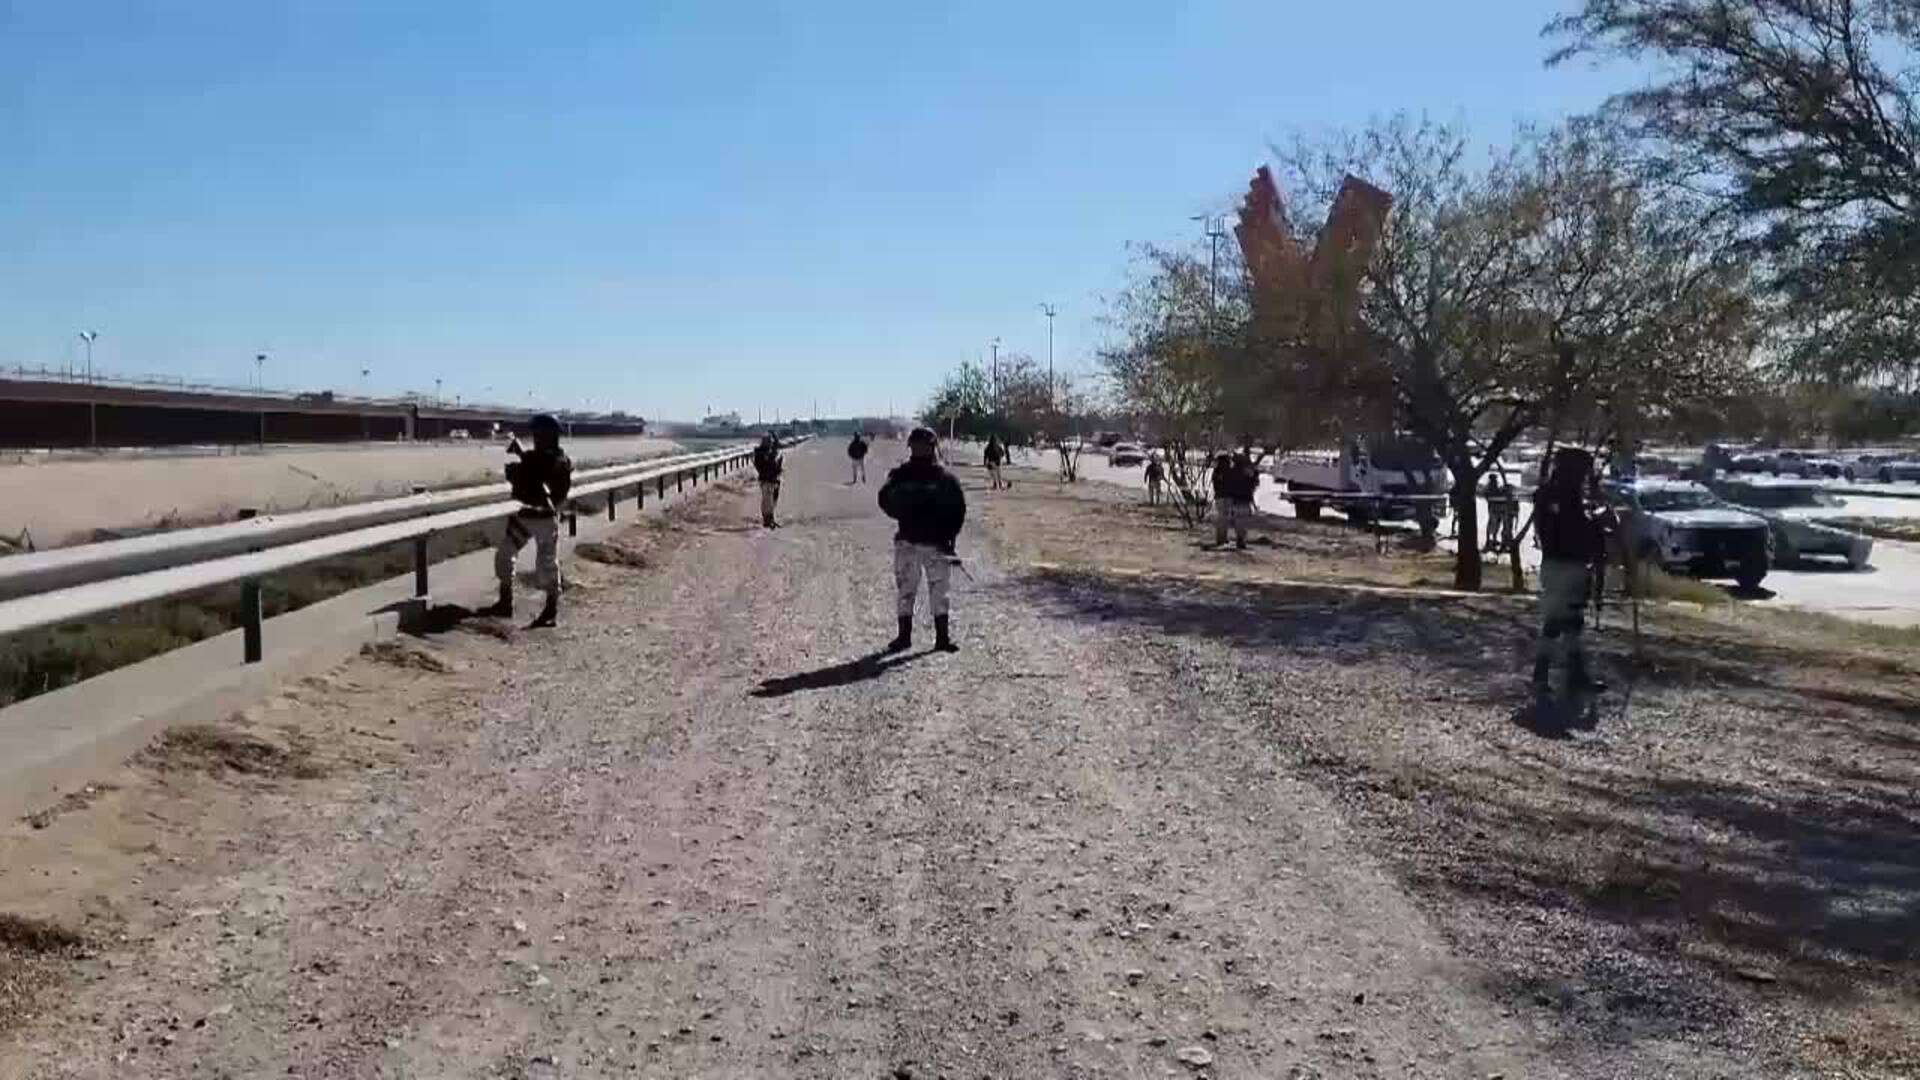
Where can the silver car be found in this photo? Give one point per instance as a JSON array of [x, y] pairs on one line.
[[1804, 519]]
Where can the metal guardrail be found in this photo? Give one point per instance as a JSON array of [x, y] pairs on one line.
[[59, 568], [124, 589]]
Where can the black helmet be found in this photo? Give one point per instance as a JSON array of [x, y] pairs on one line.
[[923, 435], [545, 422]]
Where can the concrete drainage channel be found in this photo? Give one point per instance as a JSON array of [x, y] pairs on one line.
[[55, 741]]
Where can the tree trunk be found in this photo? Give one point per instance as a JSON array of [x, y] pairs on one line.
[[1466, 562]]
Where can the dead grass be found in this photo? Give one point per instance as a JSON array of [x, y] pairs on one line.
[[612, 554], [71, 801], [1101, 528], [33, 956], [404, 653], [1719, 852], [1907, 529], [221, 749]]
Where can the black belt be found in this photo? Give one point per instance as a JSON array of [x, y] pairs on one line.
[[534, 512]]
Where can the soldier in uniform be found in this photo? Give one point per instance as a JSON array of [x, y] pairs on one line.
[[1234, 481], [857, 453], [768, 466], [927, 502], [996, 456], [540, 479], [1572, 532]]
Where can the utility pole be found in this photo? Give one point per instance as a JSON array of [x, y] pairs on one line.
[[1049, 311]]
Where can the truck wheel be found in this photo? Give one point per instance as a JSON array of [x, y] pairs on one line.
[[1752, 571], [1357, 516], [1306, 511]]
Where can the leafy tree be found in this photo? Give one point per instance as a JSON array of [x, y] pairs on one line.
[[1799, 117], [1506, 295], [962, 404]]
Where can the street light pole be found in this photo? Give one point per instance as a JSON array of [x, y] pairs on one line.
[[1214, 234], [1049, 311], [89, 336], [996, 376], [259, 371]]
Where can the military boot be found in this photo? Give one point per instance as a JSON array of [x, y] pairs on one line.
[[904, 641], [548, 612], [502, 608], [942, 636], [1542, 675]]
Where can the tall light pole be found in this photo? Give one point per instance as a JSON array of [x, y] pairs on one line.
[[364, 372], [89, 336], [1215, 234], [437, 400], [1049, 311], [996, 376], [259, 371]]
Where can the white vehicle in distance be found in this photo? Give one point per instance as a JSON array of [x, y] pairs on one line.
[[1803, 516], [1126, 453], [1685, 528], [1375, 477]]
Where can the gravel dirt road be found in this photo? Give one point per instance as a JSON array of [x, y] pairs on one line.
[[694, 833]]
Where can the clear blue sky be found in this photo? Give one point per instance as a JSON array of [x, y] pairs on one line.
[[659, 204]]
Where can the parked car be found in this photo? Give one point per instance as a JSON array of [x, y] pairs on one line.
[[1126, 453], [1683, 527], [1899, 470], [1803, 518]]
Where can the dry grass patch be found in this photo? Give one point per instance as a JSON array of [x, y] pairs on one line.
[[33, 955], [221, 749]]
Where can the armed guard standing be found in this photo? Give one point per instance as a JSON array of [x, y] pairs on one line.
[[767, 465], [927, 502], [1234, 482], [996, 457], [1572, 531], [857, 454], [540, 479]]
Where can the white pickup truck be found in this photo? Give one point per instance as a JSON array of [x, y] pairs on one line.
[[1363, 478]]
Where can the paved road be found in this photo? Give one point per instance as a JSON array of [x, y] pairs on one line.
[[63, 499], [684, 836], [1888, 592]]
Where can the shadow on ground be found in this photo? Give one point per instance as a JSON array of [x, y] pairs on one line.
[[1731, 827], [871, 666]]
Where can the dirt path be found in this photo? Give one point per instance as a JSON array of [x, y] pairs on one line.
[[620, 850]]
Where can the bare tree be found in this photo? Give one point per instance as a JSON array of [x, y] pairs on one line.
[[1166, 370]]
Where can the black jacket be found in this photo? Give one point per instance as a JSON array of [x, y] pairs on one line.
[[927, 502], [767, 463], [1567, 528], [857, 449], [995, 453], [1237, 481], [541, 478]]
